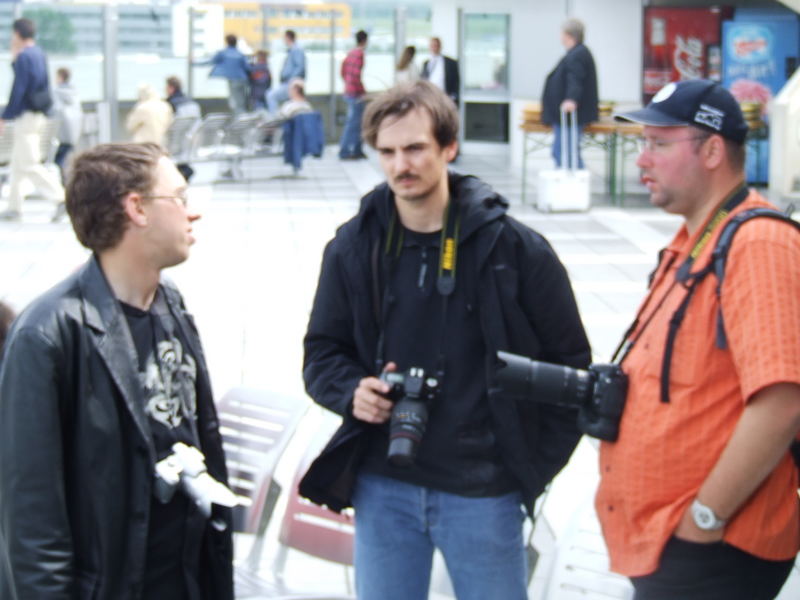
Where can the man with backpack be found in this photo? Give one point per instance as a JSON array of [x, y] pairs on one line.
[[698, 496]]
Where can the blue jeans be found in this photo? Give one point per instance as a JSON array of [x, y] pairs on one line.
[[557, 146], [398, 525], [350, 144], [277, 96]]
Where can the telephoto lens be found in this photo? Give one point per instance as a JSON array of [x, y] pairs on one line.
[[526, 379]]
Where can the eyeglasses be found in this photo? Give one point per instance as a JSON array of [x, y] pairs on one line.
[[181, 198], [655, 145]]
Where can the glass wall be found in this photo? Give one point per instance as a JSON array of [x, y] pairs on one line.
[[485, 50], [159, 38]]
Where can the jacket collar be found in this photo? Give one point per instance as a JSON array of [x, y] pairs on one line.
[[113, 342]]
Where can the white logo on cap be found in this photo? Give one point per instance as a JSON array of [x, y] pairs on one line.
[[665, 92], [709, 116]]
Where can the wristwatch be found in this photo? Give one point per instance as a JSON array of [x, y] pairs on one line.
[[705, 518]]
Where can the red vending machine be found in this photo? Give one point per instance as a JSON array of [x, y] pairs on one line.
[[681, 43]]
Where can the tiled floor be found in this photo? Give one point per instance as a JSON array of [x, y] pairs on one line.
[[252, 275]]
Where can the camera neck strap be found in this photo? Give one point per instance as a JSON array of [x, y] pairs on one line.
[[445, 280], [684, 276]]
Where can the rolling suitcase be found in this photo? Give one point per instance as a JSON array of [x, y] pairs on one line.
[[567, 188]]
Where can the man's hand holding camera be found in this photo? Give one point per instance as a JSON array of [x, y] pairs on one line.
[[369, 400]]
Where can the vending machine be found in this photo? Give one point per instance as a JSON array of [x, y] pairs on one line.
[[759, 54], [681, 43]]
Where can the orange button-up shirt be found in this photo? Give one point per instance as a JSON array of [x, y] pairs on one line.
[[665, 451]]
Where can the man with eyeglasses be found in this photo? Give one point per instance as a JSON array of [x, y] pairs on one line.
[[698, 496], [102, 377]]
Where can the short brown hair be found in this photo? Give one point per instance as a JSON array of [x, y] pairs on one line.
[[6, 318], [100, 178], [402, 99], [174, 82], [24, 28], [64, 73]]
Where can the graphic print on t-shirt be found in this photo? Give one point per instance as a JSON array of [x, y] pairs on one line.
[[169, 384]]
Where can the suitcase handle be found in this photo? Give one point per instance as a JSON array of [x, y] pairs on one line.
[[570, 128]]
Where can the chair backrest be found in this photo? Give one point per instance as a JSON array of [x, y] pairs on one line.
[[243, 131], [179, 135], [256, 426], [313, 529], [209, 134]]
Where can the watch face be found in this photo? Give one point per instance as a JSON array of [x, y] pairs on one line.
[[704, 517]]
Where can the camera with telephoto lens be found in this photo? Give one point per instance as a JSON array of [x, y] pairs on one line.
[[598, 393], [411, 393], [185, 468]]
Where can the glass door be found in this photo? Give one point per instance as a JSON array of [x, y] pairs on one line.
[[484, 76]]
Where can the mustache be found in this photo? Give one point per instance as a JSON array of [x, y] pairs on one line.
[[405, 176]]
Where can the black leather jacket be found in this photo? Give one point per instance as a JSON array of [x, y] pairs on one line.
[[76, 455]]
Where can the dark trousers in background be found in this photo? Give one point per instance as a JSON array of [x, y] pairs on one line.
[[692, 571], [62, 153]]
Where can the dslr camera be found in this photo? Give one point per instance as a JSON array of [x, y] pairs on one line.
[[185, 468], [598, 393], [411, 393]]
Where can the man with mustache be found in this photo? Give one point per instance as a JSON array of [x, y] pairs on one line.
[[103, 376], [430, 279], [698, 496]]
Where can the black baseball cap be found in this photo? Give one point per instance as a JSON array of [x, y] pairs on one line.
[[698, 102]]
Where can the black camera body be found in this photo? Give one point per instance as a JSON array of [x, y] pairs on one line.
[[599, 393], [411, 393]]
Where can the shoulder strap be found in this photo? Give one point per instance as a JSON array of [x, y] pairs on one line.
[[717, 266], [720, 254]]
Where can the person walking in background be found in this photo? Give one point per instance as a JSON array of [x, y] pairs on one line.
[[294, 67], [352, 68], [571, 87], [442, 71], [182, 105], [698, 495], [28, 104], [150, 117], [233, 66], [260, 81], [67, 108], [406, 70]]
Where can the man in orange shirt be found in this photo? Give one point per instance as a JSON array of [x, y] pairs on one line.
[[698, 496]]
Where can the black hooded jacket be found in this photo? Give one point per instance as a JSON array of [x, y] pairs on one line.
[[525, 305], [76, 454], [574, 78]]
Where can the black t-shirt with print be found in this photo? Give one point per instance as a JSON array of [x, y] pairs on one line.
[[168, 374]]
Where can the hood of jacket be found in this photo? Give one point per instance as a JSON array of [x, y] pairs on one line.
[[478, 203]]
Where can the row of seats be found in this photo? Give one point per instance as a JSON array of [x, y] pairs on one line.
[[256, 427]]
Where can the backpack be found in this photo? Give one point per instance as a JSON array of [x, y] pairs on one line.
[[717, 265]]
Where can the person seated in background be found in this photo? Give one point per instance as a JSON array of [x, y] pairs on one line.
[[297, 102], [260, 81], [67, 108], [150, 117], [182, 105]]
